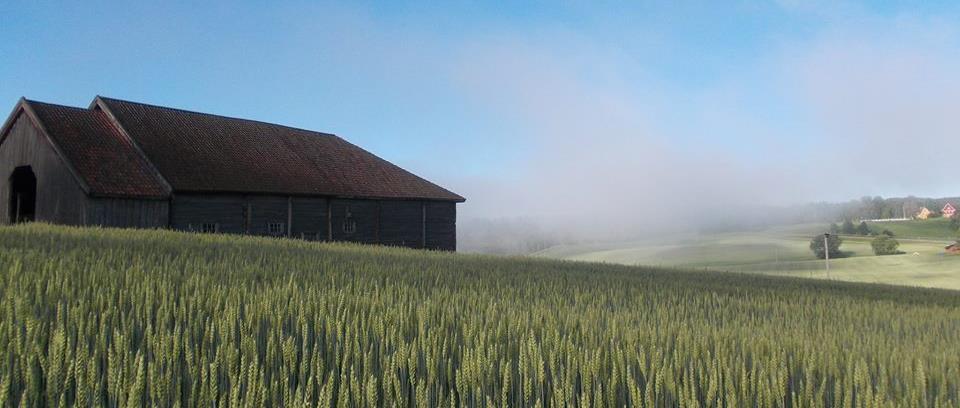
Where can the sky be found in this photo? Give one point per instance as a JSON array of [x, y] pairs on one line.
[[562, 110]]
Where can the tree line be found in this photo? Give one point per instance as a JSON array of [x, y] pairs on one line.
[[883, 243]]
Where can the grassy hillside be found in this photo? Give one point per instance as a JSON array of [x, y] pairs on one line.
[[936, 228], [782, 251], [161, 318]]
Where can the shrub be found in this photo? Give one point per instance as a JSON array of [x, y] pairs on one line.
[[884, 245], [834, 241], [863, 229]]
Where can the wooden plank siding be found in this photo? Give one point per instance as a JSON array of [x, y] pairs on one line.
[[354, 220], [189, 212], [127, 213], [400, 223], [386, 222], [309, 218], [441, 225]]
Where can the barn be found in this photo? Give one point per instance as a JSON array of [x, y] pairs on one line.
[[125, 164]]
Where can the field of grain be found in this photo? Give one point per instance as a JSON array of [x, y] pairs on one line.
[[155, 318]]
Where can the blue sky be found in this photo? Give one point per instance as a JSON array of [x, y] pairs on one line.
[[542, 102]]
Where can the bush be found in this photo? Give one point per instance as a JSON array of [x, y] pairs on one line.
[[816, 245], [884, 245], [863, 229], [887, 233]]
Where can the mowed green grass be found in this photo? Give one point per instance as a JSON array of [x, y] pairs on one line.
[[125, 318], [785, 251], [936, 228]]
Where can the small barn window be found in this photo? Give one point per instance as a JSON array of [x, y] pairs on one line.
[[276, 228], [210, 227], [349, 224]]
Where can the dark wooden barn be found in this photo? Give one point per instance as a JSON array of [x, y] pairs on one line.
[[126, 164]]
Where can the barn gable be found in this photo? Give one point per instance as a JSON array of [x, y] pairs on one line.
[[26, 151], [104, 158]]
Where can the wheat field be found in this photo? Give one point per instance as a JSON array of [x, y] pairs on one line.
[[93, 317]]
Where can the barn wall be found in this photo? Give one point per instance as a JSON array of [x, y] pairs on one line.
[[441, 223], [60, 199], [309, 218], [401, 223], [127, 213], [266, 210], [188, 212], [354, 220], [387, 222]]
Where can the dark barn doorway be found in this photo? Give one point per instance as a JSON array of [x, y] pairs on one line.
[[23, 195]]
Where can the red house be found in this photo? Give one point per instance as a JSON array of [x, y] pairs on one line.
[[953, 249], [948, 211]]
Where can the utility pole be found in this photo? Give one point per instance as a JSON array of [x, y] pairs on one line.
[[826, 252]]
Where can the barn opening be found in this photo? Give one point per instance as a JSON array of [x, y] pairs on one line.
[[23, 195]]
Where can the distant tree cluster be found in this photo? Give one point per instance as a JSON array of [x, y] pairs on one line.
[[866, 208], [849, 228]]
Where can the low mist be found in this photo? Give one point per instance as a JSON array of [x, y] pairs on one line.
[[597, 153]]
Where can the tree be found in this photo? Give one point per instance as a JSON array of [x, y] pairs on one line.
[[884, 245], [863, 228], [834, 241], [848, 227], [834, 228], [955, 222]]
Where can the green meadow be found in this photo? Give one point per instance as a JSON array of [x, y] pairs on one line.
[[937, 229], [785, 251]]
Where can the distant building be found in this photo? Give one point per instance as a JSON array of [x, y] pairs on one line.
[[127, 164], [953, 249], [924, 213], [948, 211]]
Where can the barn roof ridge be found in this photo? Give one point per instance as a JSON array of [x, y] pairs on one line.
[[217, 115], [57, 105]]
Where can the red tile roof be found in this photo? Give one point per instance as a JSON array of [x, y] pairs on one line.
[[103, 157], [199, 152], [127, 149]]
